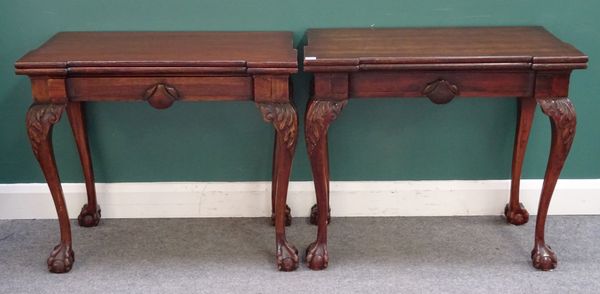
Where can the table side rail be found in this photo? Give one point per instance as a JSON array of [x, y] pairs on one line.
[[208, 88], [463, 83]]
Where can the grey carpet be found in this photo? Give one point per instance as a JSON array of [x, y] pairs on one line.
[[368, 255]]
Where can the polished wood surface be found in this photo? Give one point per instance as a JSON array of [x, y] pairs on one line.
[[102, 52], [440, 64], [424, 48], [159, 68]]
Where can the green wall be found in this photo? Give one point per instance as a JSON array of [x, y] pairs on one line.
[[372, 140]]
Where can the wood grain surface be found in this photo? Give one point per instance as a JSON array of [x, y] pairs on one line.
[[136, 50], [423, 48]]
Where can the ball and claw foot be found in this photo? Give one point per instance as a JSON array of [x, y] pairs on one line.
[[287, 257], [518, 216], [314, 215], [543, 257], [317, 256], [88, 217], [61, 259], [288, 217]]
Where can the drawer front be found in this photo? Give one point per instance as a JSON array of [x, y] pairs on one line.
[[143, 88], [442, 84]]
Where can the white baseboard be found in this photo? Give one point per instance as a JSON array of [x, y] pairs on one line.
[[252, 199]]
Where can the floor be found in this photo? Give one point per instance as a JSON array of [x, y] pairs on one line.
[[367, 255]]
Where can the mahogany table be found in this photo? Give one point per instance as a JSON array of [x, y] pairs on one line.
[[440, 64], [159, 68]]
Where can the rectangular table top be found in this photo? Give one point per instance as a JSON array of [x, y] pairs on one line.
[[372, 48], [240, 50]]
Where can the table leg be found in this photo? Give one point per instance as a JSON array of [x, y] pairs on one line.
[[314, 210], [288, 210], [514, 211], [563, 121], [314, 214], [90, 213], [40, 121], [284, 118], [320, 114]]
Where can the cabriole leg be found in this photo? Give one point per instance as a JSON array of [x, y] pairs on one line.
[[40, 121], [90, 213], [563, 121], [284, 118], [319, 116], [514, 211]]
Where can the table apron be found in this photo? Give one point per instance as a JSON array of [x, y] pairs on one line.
[[467, 83], [136, 88]]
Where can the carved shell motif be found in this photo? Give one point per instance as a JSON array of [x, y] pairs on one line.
[[161, 96], [440, 91]]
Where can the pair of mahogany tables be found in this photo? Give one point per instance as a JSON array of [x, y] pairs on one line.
[[528, 63]]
